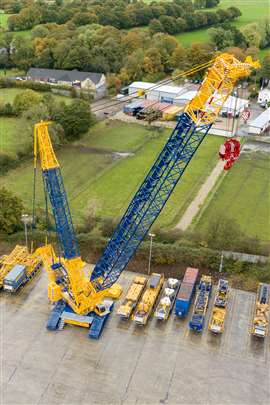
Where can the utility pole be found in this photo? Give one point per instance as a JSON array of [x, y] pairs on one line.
[[221, 263], [26, 219], [152, 235]]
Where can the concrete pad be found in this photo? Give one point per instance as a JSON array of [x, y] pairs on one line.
[[162, 363]]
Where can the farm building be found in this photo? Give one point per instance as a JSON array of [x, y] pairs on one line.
[[164, 94], [135, 87], [94, 82], [260, 124], [264, 96], [157, 92]]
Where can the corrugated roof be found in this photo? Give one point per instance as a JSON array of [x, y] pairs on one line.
[[168, 89], [141, 85], [64, 75], [261, 120]]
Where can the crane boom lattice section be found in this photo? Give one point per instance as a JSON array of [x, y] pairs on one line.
[[150, 199]]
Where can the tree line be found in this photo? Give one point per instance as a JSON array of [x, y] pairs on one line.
[[171, 17]]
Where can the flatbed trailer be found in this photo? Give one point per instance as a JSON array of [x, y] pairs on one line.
[[149, 298], [260, 318], [167, 300], [18, 268], [217, 319], [201, 304], [132, 298]]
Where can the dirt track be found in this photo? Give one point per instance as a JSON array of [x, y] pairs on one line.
[[200, 198]]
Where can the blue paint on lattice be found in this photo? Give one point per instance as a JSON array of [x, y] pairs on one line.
[[63, 221], [149, 199]]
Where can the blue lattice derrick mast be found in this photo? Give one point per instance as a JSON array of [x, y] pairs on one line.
[[149, 200], [54, 186]]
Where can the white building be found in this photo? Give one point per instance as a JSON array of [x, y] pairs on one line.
[[234, 105], [260, 124], [264, 96], [184, 97], [135, 87], [154, 91], [164, 93]]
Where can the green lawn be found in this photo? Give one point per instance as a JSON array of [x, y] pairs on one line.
[[3, 20], [252, 10], [101, 176], [243, 195], [264, 52], [14, 134], [8, 95]]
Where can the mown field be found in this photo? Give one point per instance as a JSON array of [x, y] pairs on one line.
[[91, 171], [244, 196], [16, 133], [3, 20], [252, 11], [4, 25]]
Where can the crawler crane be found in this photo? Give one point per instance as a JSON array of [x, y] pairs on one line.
[[68, 283]]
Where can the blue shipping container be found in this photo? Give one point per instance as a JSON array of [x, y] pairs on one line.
[[184, 299], [129, 108], [15, 278]]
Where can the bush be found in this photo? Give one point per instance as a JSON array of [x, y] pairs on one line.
[[7, 162], [7, 110]]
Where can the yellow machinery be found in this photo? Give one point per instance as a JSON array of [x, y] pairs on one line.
[[67, 280], [149, 298], [260, 318], [217, 318], [19, 256], [133, 295], [170, 112]]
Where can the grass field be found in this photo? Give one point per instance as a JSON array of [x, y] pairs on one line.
[[244, 196], [90, 174], [252, 10], [3, 20], [14, 134], [8, 95]]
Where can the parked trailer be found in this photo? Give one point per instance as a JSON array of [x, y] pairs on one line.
[[167, 300], [201, 304], [149, 298], [261, 312], [20, 274], [186, 292], [18, 268], [132, 298], [217, 319]]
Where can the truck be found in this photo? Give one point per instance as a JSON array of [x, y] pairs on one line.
[[149, 298], [132, 298], [201, 304], [186, 291], [167, 300], [22, 273], [261, 312], [217, 318]]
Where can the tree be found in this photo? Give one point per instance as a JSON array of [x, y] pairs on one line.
[[25, 100], [265, 70], [156, 26], [211, 3], [199, 3], [11, 208], [252, 34], [75, 118]]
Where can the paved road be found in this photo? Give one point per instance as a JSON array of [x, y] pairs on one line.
[[158, 364]]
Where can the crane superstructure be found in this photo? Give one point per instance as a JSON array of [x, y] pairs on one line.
[[67, 280]]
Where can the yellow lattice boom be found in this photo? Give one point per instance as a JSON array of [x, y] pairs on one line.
[[217, 86]]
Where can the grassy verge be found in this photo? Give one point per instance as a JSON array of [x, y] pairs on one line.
[[243, 195]]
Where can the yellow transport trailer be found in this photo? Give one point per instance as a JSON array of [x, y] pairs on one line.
[[170, 112], [132, 298], [260, 318], [18, 268], [149, 298], [217, 318]]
